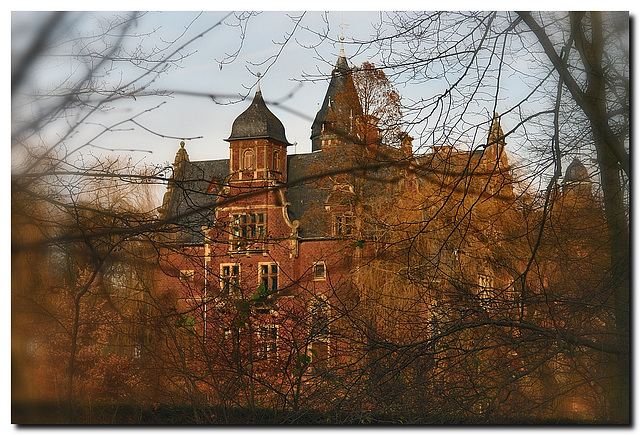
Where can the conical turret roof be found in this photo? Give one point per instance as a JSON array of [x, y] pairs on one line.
[[339, 80]]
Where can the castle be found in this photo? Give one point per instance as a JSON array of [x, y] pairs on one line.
[[275, 259]]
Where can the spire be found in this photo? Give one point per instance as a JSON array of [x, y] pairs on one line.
[[496, 136], [342, 26], [341, 86], [181, 156]]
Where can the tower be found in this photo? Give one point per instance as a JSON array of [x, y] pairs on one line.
[[576, 180], [495, 144], [257, 145], [340, 109]]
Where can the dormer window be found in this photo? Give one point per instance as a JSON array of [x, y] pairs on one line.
[[343, 225]]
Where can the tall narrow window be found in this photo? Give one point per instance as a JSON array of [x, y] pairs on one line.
[[485, 285], [267, 343], [276, 161], [319, 271], [319, 320], [269, 276], [248, 160], [229, 278]]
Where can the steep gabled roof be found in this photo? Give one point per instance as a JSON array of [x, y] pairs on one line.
[[191, 203]]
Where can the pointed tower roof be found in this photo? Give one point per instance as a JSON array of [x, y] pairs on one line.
[[181, 155], [340, 77], [258, 122], [496, 136]]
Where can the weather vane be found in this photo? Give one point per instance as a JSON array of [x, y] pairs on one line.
[[342, 26]]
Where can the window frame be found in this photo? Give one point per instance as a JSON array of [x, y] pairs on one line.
[[344, 225], [246, 227], [319, 328], [485, 290], [230, 283], [316, 277], [248, 165], [269, 276], [266, 346]]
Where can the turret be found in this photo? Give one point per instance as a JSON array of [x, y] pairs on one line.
[[181, 156], [494, 151], [340, 109], [258, 144], [576, 180]]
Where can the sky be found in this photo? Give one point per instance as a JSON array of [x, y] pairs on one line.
[[293, 84], [294, 61], [292, 98]]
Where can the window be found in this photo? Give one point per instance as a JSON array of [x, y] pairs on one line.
[[343, 225], [319, 319], [319, 271], [245, 226], [267, 342], [485, 284], [247, 159], [187, 275], [276, 161], [269, 276], [229, 278]]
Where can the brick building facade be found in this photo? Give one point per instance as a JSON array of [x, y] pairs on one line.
[[268, 253]]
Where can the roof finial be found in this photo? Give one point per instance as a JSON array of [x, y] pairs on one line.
[[181, 155], [258, 88]]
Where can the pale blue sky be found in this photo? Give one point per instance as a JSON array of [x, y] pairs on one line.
[[283, 82], [182, 116]]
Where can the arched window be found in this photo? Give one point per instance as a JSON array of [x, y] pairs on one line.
[[247, 159], [276, 161]]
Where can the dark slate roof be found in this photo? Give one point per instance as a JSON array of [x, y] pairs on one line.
[[258, 122], [192, 201], [304, 192], [339, 77]]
